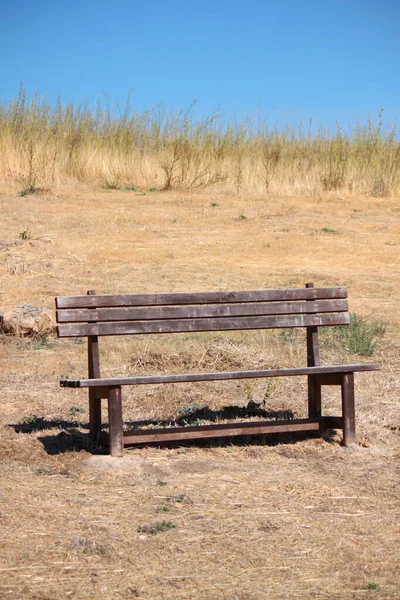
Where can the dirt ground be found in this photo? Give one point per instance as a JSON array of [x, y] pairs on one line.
[[265, 518]]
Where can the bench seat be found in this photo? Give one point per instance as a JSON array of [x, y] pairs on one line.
[[218, 376]]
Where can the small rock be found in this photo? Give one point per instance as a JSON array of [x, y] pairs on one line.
[[114, 464], [354, 448], [363, 449], [27, 321]]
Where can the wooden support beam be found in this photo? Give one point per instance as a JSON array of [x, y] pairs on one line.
[[177, 434], [348, 409], [94, 373], [168, 434], [116, 438], [313, 360]]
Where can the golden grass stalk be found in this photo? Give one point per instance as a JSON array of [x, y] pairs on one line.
[[43, 146]]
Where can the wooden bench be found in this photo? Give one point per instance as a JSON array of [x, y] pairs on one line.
[[94, 315]]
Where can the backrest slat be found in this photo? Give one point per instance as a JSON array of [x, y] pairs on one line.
[[171, 299], [313, 354], [203, 324], [200, 311]]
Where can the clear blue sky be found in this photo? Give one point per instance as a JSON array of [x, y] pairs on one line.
[[326, 59]]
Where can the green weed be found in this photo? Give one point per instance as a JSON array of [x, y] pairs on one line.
[[111, 185], [189, 410], [74, 410], [360, 337], [371, 586], [156, 527], [28, 420], [29, 190], [269, 390], [187, 414], [179, 499], [162, 508], [330, 230], [131, 188]]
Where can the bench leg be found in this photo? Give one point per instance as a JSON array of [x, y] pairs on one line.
[[348, 409], [94, 415], [314, 397], [115, 421]]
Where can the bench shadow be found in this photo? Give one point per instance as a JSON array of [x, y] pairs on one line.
[[35, 423], [267, 439], [71, 438], [193, 415]]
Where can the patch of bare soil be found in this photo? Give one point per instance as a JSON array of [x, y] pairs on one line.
[[272, 517], [306, 519]]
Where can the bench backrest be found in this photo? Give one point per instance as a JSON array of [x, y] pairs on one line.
[[100, 315]]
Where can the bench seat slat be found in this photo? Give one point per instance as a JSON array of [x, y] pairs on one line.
[[199, 311], [194, 325], [190, 377], [223, 297]]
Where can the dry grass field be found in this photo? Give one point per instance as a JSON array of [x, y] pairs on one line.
[[264, 518]]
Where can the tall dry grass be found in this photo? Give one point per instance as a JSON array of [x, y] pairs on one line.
[[44, 145]]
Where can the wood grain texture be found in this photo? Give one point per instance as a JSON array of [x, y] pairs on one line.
[[313, 357], [190, 377], [175, 298], [224, 430], [94, 373], [116, 439], [313, 360], [329, 379], [200, 311], [348, 409], [195, 325]]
